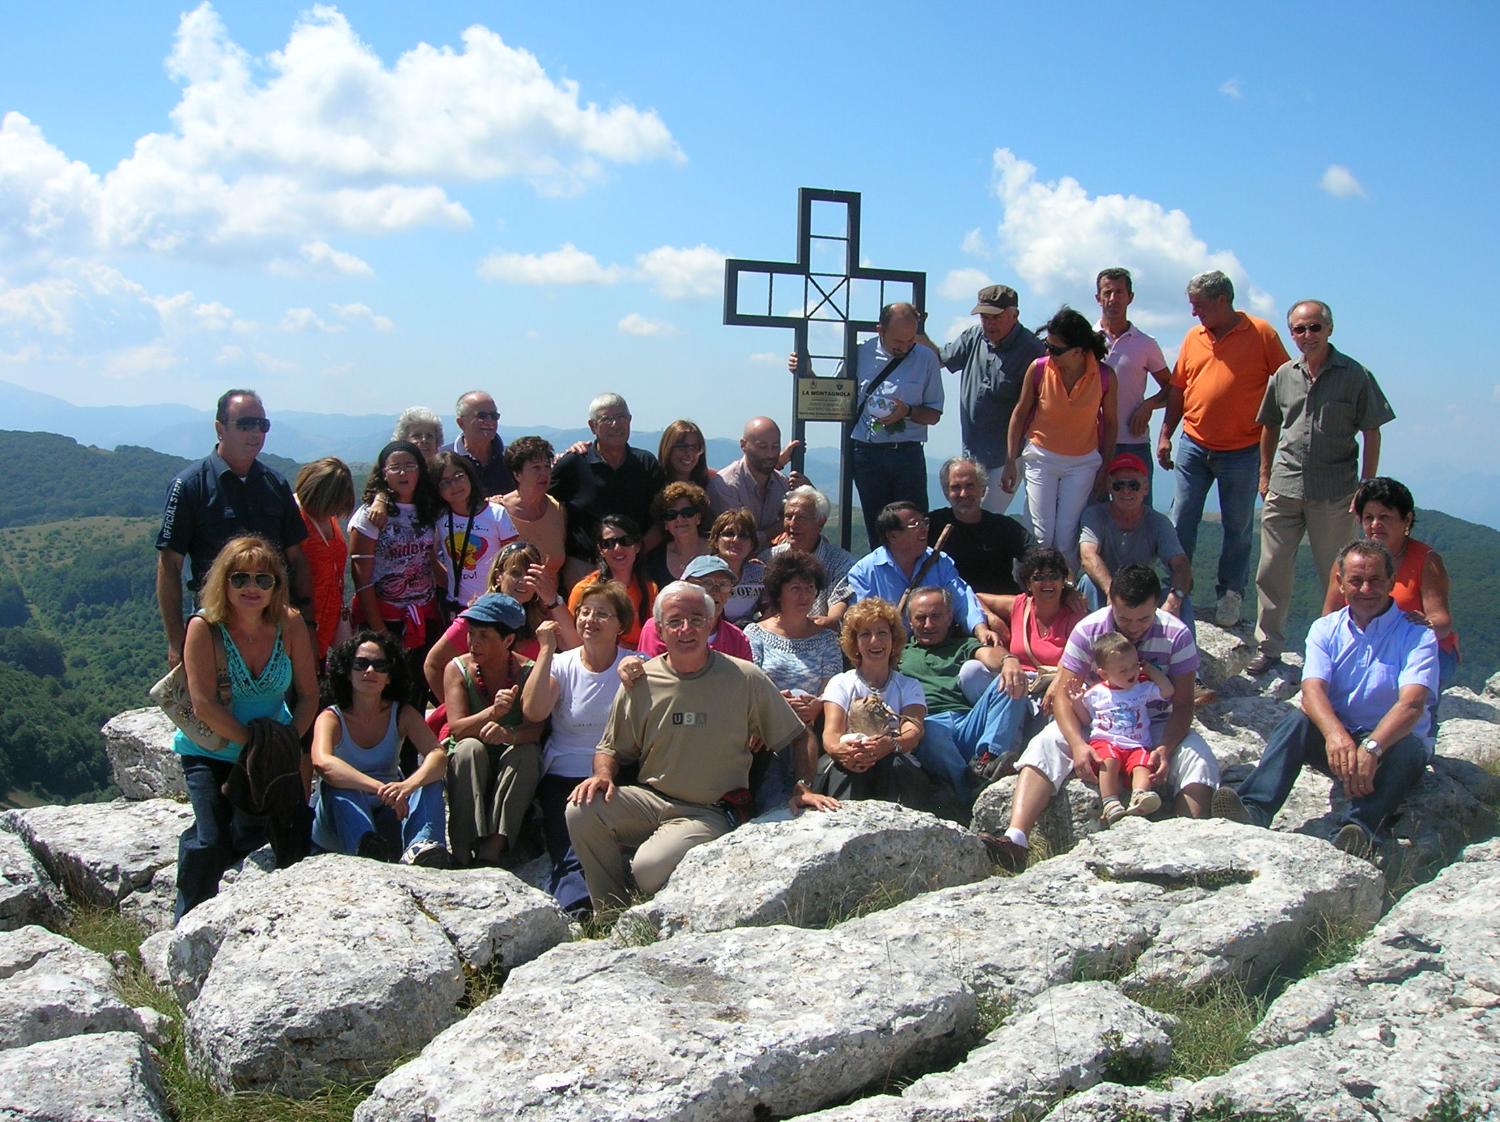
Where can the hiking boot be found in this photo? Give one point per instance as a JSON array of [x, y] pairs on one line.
[[1227, 610], [1354, 841], [1226, 804], [1005, 853], [1261, 663]]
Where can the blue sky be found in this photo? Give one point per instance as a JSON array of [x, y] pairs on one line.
[[362, 207]]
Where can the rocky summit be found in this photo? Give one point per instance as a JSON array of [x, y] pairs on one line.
[[866, 964]]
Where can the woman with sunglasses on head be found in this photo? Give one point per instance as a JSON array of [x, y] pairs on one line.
[[733, 537], [365, 807], [680, 509], [537, 516], [266, 649], [1062, 432], [620, 560], [681, 455], [325, 496], [394, 560], [471, 531]]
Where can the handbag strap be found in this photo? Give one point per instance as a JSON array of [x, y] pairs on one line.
[[883, 372], [1026, 631]]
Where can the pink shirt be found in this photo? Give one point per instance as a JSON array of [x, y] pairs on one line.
[[726, 639]]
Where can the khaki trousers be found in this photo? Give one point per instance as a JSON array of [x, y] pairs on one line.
[[1329, 527], [490, 788], [662, 829]]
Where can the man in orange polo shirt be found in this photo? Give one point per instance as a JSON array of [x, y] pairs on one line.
[[1217, 387]]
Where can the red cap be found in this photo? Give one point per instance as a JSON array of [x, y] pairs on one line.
[[1128, 461]]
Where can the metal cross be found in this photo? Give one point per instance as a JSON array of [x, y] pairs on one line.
[[831, 292]]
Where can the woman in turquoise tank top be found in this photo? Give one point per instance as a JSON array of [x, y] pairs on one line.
[[365, 806], [266, 649]]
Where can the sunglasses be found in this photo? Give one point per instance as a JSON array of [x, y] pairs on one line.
[[1125, 485], [1055, 350], [1308, 329], [379, 665], [253, 424], [485, 415], [263, 581], [730, 535], [683, 512], [616, 543]]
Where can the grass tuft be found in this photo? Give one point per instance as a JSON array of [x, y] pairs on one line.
[[1213, 1027]]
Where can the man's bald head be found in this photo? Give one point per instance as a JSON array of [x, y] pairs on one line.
[[761, 444]]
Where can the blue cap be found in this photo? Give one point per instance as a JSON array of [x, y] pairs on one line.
[[495, 608], [706, 566]]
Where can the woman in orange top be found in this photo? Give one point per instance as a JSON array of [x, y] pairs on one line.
[[1063, 431], [325, 495]]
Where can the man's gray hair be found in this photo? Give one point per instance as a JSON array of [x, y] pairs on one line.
[[458, 406], [1323, 310], [928, 589], [606, 401], [1211, 285], [1370, 550], [673, 589], [416, 415], [953, 462], [808, 493]]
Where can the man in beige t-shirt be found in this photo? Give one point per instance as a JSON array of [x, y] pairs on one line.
[[688, 721]]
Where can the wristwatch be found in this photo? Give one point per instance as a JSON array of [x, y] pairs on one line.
[[1177, 592], [1371, 745]]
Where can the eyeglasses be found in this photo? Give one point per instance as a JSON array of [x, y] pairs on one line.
[[616, 543], [253, 424], [604, 615], [918, 524], [677, 623], [1055, 349], [1125, 485], [379, 665], [687, 446], [714, 584], [484, 415], [401, 468], [423, 437], [1308, 329], [450, 481], [683, 512], [731, 534], [263, 581], [612, 418]]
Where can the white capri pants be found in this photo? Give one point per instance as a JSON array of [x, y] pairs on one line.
[[1057, 490], [1193, 762]]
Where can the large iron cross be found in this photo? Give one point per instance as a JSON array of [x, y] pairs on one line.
[[827, 286]]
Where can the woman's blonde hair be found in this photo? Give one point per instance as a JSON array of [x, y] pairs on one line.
[[865, 613], [250, 553], [613, 592]]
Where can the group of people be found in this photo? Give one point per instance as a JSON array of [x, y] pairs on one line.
[[642, 652]]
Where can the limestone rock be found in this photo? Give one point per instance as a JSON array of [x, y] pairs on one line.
[[1237, 729], [1474, 741], [1223, 654], [82, 1079], [333, 969], [27, 894], [1465, 703], [1068, 819], [734, 1025], [1178, 902], [51, 988], [1065, 1040], [154, 903], [141, 761], [102, 852], [1492, 685], [812, 869]]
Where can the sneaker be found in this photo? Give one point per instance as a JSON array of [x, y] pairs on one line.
[[1005, 853], [1353, 840], [1227, 611], [1145, 803], [1261, 663], [1113, 811], [427, 855], [1226, 804]]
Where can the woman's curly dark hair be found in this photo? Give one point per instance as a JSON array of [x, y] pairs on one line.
[[789, 565], [337, 687]]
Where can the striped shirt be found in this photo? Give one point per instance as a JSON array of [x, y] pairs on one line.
[[1167, 645]]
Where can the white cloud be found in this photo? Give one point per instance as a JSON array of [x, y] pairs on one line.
[[975, 244], [568, 265], [682, 273], [1339, 182], [273, 365], [320, 254], [361, 313], [962, 284], [637, 324], [337, 370], [132, 362], [230, 355], [957, 326], [305, 319], [1233, 89], [1057, 237]]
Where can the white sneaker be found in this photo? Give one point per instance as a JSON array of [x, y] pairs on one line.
[[1227, 611], [427, 855]]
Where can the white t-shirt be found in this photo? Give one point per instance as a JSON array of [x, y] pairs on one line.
[[899, 693], [475, 545], [1121, 716], [402, 572], [581, 712]]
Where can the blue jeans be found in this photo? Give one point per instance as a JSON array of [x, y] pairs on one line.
[[952, 739], [1238, 476], [1147, 453], [219, 836], [884, 473], [1094, 598], [357, 813], [566, 881], [1298, 741]]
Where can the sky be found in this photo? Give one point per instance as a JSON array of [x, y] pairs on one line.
[[361, 207]]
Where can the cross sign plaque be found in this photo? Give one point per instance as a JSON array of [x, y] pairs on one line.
[[826, 289]]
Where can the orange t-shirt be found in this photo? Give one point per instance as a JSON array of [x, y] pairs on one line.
[[1064, 423], [1224, 381]]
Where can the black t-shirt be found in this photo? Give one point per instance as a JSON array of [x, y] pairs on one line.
[[590, 489], [207, 504], [985, 552]]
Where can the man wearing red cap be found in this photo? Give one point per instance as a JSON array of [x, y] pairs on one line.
[[1122, 531]]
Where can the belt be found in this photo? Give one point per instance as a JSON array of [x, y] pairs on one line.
[[896, 446]]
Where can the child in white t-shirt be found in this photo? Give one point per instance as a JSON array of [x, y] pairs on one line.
[[1119, 723]]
